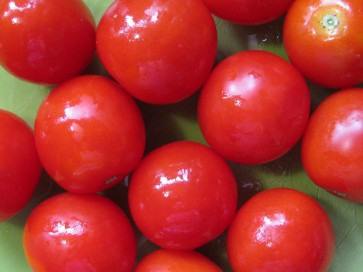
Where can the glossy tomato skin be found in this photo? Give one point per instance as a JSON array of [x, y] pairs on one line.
[[73, 232], [278, 230], [160, 51], [20, 167], [176, 261], [254, 107], [248, 12], [323, 39], [333, 142], [182, 195], [46, 42], [89, 134]]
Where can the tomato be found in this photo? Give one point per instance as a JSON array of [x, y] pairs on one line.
[[20, 167], [160, 51], [332, 146], [248, 12], [89, 134], [72, 232], [46, 42], [254, 107], [281, 229], [324, 40], [176, 261], [182, 195]]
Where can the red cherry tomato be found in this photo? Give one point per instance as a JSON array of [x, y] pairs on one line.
[[278, 230], [72, 232], [323, 39], [89, 134], [332, 146], [44, 41], [160, 51], [182, 195], [176, 261], [254, 107], [20, 167], [248, 12]]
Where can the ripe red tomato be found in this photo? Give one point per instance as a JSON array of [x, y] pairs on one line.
[[332, 146], [254, 107], [278, 230], [176, 261], [248, 12], [182, 195], [44, 41], [20, 167], [323, 39], [72, 232], [160, 51], [89, 134]]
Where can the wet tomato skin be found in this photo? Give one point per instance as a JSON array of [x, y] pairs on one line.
[[254, 107], [46, 42], [176, 261], [323, 39], [332, 145], [281, 229], [89, 134], [248, 12], [182, 195], [20, 167], [160, 51], [73, 232]]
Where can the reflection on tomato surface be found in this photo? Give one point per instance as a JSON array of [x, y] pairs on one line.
[[182, 195], [254, 107], [333, 142], [323, 39], [167, 123], [89, 134], [71, 232], [160, 51], [46, 42], [281, 229]]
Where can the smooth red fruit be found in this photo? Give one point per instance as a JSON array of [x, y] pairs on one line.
[[160, 51], [20, 167], [248, 12], [72, 232], [89, 134], [46, 42], [254, 107], [332, 146], [323, 39], [278, 230], [182, 195], [176, 261]]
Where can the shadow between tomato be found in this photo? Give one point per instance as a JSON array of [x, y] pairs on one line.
[[263, 36], [172, 122], [46, 188]]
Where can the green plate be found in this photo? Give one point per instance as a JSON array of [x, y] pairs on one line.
[[176, 122]]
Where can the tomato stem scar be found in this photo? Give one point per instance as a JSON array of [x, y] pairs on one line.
[[330, 21]]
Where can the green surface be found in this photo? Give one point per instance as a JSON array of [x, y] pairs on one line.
[[176, 122]]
